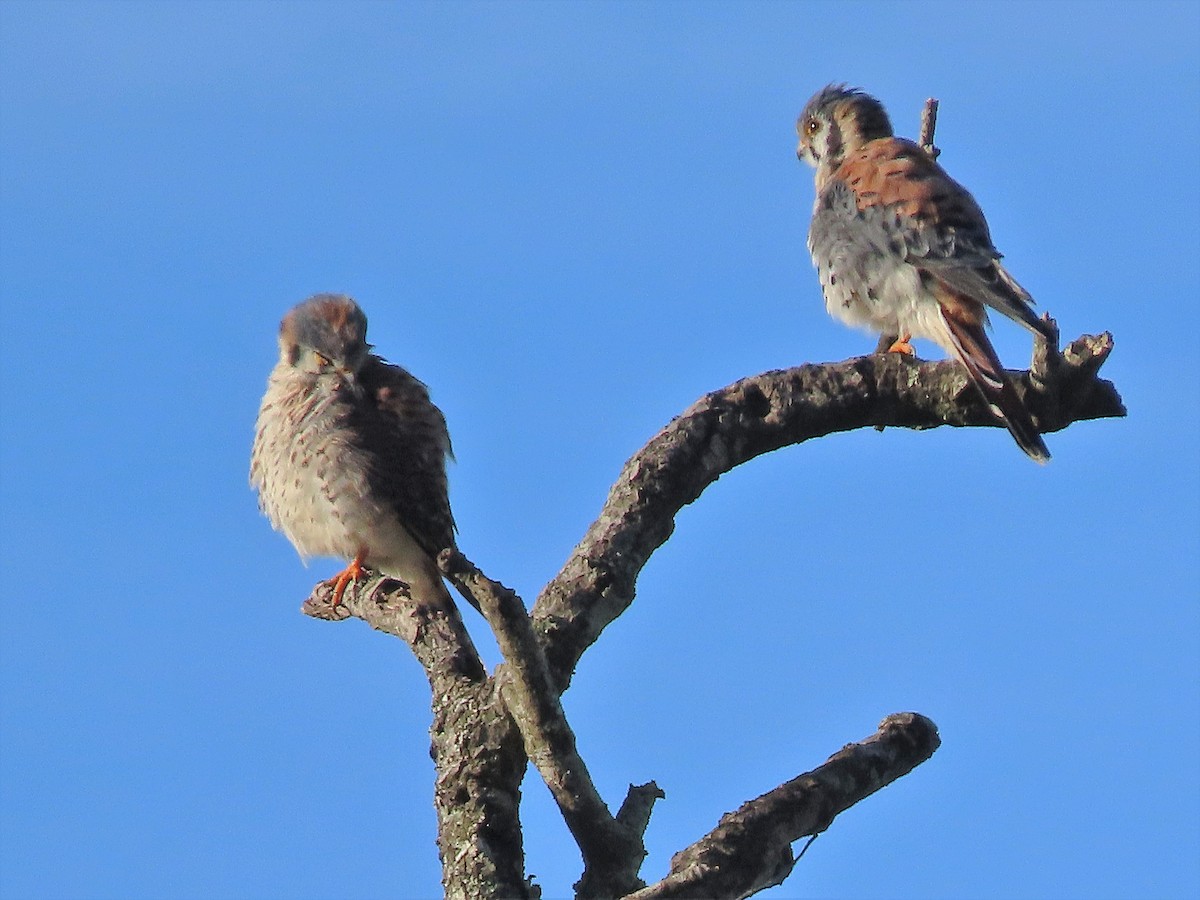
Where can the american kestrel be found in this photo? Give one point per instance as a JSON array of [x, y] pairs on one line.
[[349, 455], [903, 249]]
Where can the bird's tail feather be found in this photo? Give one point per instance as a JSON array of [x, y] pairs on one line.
[[975, 352]]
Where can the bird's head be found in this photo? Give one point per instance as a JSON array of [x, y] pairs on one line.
[[837, 121], [326, 334]]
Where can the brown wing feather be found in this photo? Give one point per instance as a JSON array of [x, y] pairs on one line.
[[411, 475], [897, 173], [935, 223]]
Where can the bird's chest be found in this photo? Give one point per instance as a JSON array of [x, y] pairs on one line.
[[312, 475], [865, 278]]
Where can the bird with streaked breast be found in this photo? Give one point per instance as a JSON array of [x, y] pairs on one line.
[[349, 456]]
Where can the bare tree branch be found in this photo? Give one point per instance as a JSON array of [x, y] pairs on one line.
[[435, 632], [476, 748], [479, 753], [612, 852], [639, 802], [750, 849], [763, 413]]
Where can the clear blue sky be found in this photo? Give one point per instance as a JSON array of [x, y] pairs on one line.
[[571, 220]]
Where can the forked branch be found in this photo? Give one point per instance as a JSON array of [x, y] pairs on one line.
[[611, 846], [479, 753]]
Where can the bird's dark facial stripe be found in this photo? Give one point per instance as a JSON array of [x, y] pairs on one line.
[[833, 142], [850, 117]]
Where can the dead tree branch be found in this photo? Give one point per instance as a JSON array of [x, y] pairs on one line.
[[612, 851], [479, 752], [751, 848], [766, 412], [476, 747]]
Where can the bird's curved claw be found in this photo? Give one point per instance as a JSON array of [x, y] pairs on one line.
[[352, 572]]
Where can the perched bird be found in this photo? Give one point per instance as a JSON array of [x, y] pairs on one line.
[[903, 249], [349, 455]]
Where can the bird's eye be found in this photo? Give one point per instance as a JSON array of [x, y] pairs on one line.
[[322, 361], [812, 126]]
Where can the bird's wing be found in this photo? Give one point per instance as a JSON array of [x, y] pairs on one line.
[[932, 221], [409, 443]]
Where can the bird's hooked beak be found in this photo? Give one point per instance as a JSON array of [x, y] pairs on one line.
[[347, 372]]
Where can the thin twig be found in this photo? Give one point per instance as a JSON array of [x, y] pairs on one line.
[[928, 124]]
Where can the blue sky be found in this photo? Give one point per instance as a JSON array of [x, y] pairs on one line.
[[571, 220]]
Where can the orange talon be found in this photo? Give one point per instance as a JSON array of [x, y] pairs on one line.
[[352, 572], [902, 345]]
